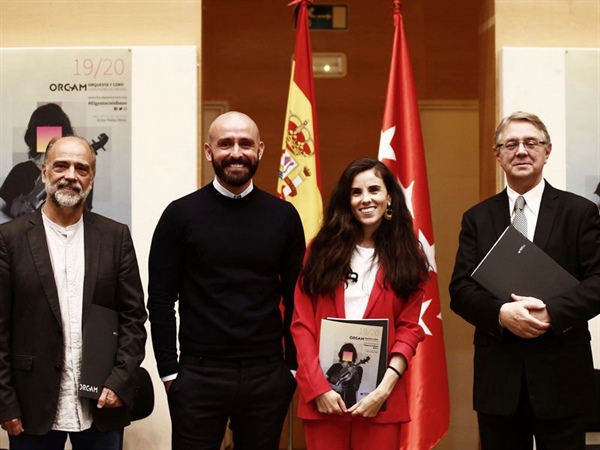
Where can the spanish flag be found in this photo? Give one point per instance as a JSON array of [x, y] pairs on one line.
[[299, 179]]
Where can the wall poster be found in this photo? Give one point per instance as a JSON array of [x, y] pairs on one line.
[[47, 92], [150, 158]]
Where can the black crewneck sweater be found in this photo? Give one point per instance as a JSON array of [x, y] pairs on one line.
[[228, 263]]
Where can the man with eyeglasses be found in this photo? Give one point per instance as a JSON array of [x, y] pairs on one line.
[[533, 370]]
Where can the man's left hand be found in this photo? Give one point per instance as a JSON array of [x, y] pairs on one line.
[[108, 399]]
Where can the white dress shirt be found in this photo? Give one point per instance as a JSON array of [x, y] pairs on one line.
[[533, 200], [221, 190]]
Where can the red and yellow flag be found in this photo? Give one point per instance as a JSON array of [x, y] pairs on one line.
[[299, 179], [401, 149]]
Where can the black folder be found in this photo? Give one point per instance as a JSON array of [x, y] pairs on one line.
[[515, 265], [100, 341]]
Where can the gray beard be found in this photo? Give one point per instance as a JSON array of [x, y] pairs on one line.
[[67, 199]]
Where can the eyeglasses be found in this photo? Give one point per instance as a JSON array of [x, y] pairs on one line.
[[529, 144]]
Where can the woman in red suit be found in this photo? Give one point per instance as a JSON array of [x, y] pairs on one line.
[[365, 262]]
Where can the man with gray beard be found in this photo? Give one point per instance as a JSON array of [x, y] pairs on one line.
[[56, 265]]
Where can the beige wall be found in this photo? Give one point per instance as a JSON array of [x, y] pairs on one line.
[[41, 23], [450, 128], [547, 23], [537, 23]]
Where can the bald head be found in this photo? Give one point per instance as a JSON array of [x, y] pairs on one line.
[[232, 120]]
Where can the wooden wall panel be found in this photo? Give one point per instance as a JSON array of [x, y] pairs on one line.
[[247, 49]]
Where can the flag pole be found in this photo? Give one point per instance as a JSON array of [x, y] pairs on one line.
[[290, 426], [299, 180]]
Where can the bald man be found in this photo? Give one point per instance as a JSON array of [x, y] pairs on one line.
[[58, 264], [230, 254]]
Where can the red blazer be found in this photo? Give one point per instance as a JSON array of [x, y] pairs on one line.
[[403, 338]]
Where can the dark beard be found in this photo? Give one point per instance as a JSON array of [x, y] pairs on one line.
[[238, 178]]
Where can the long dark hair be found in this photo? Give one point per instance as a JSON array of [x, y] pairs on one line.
[[48, 115], [396, 246]]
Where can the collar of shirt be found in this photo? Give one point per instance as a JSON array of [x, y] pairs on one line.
[[221, 190], [59, 228], [533, 198]]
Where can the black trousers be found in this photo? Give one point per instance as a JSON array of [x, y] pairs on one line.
[[253, 394], [516, 431]]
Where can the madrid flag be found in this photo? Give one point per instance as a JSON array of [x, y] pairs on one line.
[[299, 179], [401, 149]]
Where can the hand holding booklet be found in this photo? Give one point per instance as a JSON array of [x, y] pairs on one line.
[[100, 342], [515, 265], [368, 337]]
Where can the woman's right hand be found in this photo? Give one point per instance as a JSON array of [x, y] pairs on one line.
[[330, 402]]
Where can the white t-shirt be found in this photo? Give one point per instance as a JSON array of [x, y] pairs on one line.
[[356, 295]]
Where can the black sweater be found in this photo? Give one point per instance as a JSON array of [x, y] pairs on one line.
[[229, 263]]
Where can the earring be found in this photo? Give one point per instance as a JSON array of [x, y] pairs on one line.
[[388, 212]]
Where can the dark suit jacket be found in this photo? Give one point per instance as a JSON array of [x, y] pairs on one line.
[[557, 366], [31, 337]]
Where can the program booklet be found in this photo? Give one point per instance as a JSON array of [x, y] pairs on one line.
[[100, 342], [516, 265], [353, 354]]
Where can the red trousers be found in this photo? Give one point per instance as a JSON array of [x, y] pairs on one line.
[[354, 434]]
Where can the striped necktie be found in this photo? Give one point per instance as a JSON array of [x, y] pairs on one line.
[[519, 220]]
